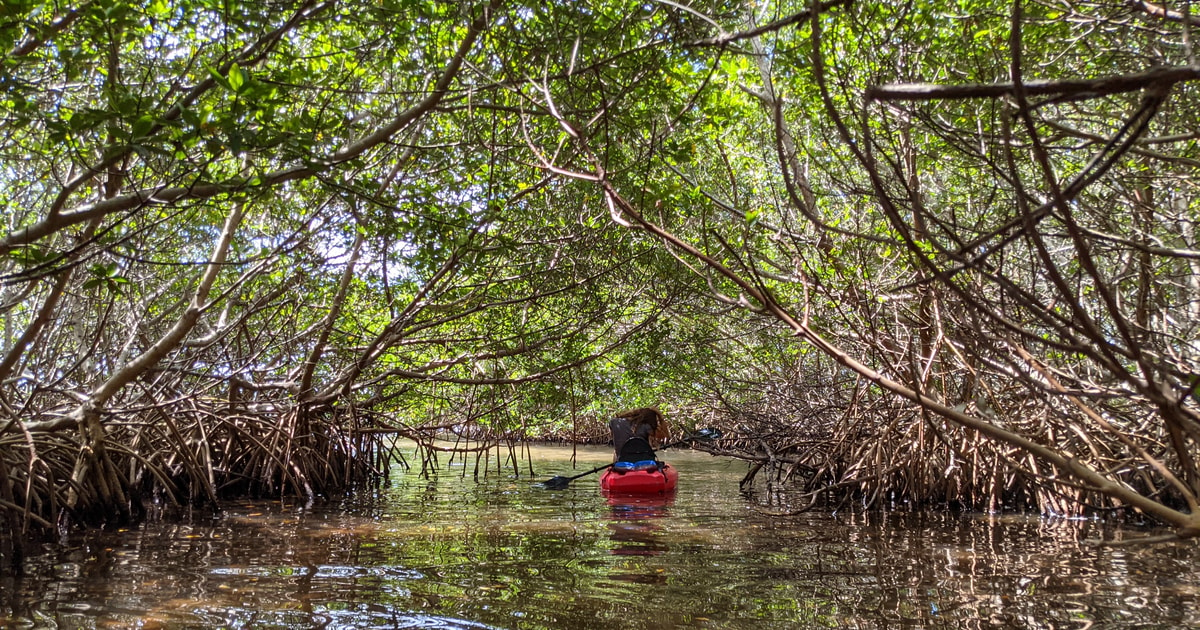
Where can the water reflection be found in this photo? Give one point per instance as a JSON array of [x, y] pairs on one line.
[[633, 527], [450, 553]]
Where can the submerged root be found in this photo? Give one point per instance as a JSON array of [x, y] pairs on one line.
[[194, 454], [883, 454], [108, 473]]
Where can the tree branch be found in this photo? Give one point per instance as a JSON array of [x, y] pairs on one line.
[[1156, 78]]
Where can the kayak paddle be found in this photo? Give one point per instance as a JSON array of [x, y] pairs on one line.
[[558, 483]]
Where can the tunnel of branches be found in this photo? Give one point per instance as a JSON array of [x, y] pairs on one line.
[[903, 256]]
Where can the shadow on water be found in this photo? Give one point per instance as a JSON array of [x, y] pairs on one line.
[[450, 553]]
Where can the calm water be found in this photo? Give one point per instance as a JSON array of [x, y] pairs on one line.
[[447, 552]]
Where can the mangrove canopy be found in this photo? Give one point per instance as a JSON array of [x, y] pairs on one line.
[[901, 253]]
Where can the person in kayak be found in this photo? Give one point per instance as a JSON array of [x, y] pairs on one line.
[[636, 432]]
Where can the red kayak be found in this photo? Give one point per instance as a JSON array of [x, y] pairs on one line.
[[654, 480]]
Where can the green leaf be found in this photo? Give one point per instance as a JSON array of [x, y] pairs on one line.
[[142, 126], [236, 78], [219, 78]]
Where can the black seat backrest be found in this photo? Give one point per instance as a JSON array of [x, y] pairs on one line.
[[636, 449]]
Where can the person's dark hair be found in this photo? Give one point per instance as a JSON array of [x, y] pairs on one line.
[[647, 416]]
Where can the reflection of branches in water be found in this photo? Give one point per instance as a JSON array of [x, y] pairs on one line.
[[423, 551], [938, 568]]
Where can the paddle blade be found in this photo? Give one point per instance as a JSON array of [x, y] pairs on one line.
[[556, 483]]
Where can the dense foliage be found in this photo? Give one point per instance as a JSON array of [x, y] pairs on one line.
[[910, 253]]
